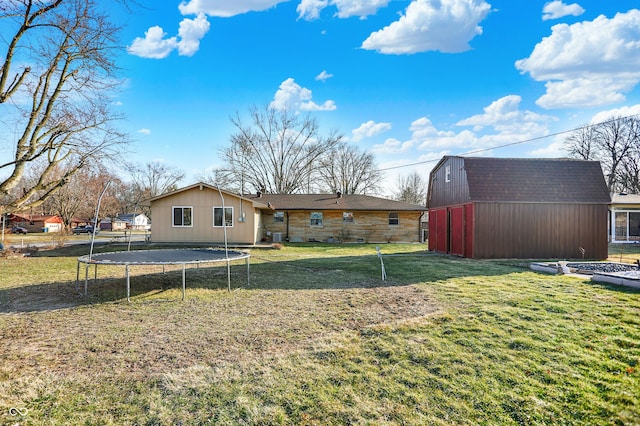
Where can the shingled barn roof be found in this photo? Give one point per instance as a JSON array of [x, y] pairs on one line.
[[535, 180]]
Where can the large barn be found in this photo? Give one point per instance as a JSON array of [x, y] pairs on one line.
[[518, 208]]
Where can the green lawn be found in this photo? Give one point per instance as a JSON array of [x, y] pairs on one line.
[[317, 338]]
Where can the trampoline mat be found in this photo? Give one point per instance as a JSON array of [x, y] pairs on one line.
[[164, 257]]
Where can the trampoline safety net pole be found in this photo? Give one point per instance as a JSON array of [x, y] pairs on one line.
[[184, 280]]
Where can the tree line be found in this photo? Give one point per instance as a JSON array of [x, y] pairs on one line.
[[615, 143]]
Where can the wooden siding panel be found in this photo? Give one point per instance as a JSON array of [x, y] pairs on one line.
[[540, 231], [202, 231], [455, 191]]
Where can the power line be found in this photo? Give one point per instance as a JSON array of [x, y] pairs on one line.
[[515, 143]]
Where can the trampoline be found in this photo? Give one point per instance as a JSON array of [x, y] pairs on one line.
[[162, 257]]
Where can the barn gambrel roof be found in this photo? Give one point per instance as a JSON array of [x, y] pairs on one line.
[[537, 180]]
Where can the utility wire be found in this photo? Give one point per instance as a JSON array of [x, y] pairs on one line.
[[515, 143]]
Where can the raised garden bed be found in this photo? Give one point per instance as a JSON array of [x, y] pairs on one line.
[[606, 272]]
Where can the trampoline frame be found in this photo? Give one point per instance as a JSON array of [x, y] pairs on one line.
[[91, 260]]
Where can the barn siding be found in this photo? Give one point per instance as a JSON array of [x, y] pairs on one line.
[[529, 230], [443, 193]]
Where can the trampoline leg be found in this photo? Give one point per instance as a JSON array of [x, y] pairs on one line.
[[77, 276], [126, 271], [184, 274], [95, 272], [248, 283], [86, 279], [228, 276]]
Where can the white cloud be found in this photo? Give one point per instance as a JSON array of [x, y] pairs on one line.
[[191, 32], [293, 97], [153, 45], [557, 9], [310, 9], [323, 76], [625, 111], [369, 129], [504, 115], [591, 63], [145, 131], [445, 25], [553, 150], [392, 146], [226, 8]]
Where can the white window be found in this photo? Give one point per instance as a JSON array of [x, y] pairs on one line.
[[278, 217], [217, 216], [347, 217], [182, 216], [316, 218], [394, 218], [447, 174]]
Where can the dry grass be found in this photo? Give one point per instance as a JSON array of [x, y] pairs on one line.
[[317, 338]]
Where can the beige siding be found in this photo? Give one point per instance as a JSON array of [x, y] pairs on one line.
[[202, 202], [367, 226]]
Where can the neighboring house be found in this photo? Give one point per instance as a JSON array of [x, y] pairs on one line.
[[518, 208], [113, 224], [135, 221], [195, 214], [625, 214], [339, 218], [37, 223]]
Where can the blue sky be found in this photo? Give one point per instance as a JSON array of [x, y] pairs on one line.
[[408, 81]]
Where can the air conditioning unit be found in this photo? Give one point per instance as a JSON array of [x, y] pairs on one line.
[[277, 237]]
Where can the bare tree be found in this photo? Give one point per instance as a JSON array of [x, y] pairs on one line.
[[78, 198], [581, 143], [412, 189], [155, 178], [348, 170], [615, 143], [615, 140], [278, 151], [56, 75]]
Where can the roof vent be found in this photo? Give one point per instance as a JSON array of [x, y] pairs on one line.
[[259, 194], [339, 194]]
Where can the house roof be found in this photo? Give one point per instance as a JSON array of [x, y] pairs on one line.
[[37, 218], [256, 203], [535, 180], [623, 198], [353, 202]]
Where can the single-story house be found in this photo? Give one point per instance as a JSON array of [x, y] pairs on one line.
[[202, 213], [135, 221], [195, 214], [339, 218], [518, 208], [113, 224], [625, 217], [37, 223]]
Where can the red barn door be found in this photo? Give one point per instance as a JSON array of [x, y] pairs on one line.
[[456, 215]]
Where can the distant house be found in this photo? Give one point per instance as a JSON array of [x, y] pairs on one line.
[[518, 208], [37, 223], [195, 214], [624, 220], [135, 221], [113, 224], [339, 218]]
